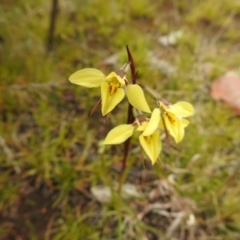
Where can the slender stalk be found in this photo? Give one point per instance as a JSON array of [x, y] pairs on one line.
[[130, 119], [96, 106]]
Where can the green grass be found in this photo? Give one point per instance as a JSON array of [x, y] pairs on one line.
[[51, 153]]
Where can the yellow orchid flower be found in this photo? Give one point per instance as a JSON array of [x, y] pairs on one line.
[[112, 92], [173, 118], [113, 88], [149, 138]]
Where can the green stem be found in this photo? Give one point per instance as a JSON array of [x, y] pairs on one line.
[[153, 94]]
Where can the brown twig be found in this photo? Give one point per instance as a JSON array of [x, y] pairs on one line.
[[53, 18]]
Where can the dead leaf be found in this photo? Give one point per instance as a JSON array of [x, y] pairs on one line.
[[227, 89]]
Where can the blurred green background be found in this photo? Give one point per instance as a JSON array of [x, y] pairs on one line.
[[51, 155]]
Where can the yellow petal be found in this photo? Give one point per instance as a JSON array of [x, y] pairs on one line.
[[119, 134], [153, 123], [161, 126], [180, 133], [136, 97], [157, 145], [88, 77], [185, 123], [185, 109], [151, 145], [113, 77], [142, 127], [171, 127], [176, 129], [109, 101]]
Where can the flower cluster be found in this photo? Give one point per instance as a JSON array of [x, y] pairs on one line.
[[170, 118], [165, 116]]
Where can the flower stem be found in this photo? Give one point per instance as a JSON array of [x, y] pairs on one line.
[[130, 119]]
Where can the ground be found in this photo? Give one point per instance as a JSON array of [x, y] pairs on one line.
[[52, 161]]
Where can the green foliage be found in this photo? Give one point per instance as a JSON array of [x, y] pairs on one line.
[[48, 135]]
